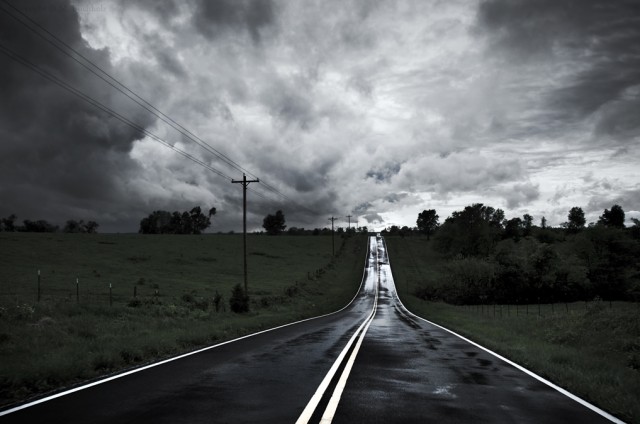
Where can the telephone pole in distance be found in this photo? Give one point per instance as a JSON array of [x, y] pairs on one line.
[[245, 183], [349, 217], [333, 245]]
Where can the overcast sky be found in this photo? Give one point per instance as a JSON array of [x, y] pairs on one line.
[[375, 109]]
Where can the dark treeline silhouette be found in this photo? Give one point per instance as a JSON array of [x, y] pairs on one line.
[[275, 224], [295, 231], [8, 224], [490, 259], [187, 222]]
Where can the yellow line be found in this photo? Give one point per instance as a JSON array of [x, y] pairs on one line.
[[317, 396], [329, 413]]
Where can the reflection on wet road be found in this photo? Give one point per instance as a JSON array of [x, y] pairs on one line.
[[410, 371], [372, 362]]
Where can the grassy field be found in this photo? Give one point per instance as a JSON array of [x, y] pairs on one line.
[[110, 302], [591, 349]]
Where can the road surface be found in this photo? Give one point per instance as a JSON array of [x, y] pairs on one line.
[[372, 362]]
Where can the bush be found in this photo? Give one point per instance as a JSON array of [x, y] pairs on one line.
[[134, 303], [217, 299], [239, 301]]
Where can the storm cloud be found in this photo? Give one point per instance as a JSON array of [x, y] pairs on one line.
[[60, 157], [597, 41], [373, 109]]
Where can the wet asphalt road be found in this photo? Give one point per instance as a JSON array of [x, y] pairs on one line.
[[406, 371]]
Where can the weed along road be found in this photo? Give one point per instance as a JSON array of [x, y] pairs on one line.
[[372, 362]]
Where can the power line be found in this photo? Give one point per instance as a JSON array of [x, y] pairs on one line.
[[95, 69], [122, 88], [25, 62], [108, 78]]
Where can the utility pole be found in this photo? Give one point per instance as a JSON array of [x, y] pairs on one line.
[[333, 245], [349, 217], [245, 183]]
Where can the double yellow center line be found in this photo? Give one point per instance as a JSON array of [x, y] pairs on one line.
[[330, 410]]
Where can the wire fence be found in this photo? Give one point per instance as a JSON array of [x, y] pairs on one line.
[[545, 309]]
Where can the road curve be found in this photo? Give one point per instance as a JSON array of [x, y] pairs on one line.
[[372, 362], [265, 378], [411, 371]]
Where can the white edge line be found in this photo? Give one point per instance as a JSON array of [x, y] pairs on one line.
[[510, 362], [175, 358], [332, 406], [311, 406]]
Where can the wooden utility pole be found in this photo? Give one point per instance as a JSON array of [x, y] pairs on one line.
[[349, 217], [333, 245], [245, 183]]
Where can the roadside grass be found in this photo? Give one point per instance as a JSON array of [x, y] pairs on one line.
[[66, 338], [590, 349]]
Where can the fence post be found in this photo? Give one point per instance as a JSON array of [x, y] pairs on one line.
[[38, 285], [77, 291], [110, 295]]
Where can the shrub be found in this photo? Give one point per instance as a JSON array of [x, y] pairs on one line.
[[134, 303], [217, 299], [239, 301]]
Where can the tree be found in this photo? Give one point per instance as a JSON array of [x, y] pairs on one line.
[[156, 223], [199, 221], [612, 218], [239, 300], [513, 229], [576, 220], [39, 226], [274, 224], [73, 226], [527, 223], [635, 230], [8, 223], [187, 222], [473, 231], [494, 216], [91, 227], [428, 222]]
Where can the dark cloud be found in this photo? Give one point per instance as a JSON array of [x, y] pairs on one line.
[[373, 218], [521, 195], [385, 173], [362, 208], [601, 40], [215, 17], [628, 199], [58, 154], [395, 197], [290, 104]]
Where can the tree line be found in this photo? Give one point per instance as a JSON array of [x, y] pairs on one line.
[[275, 224], [8, 224], [491, 259], [193, 221]]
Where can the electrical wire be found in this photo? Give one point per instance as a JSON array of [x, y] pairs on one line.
[[25, 62], [95, 69]]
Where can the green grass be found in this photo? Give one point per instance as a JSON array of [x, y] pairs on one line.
[[592, 349], [63, 339]]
